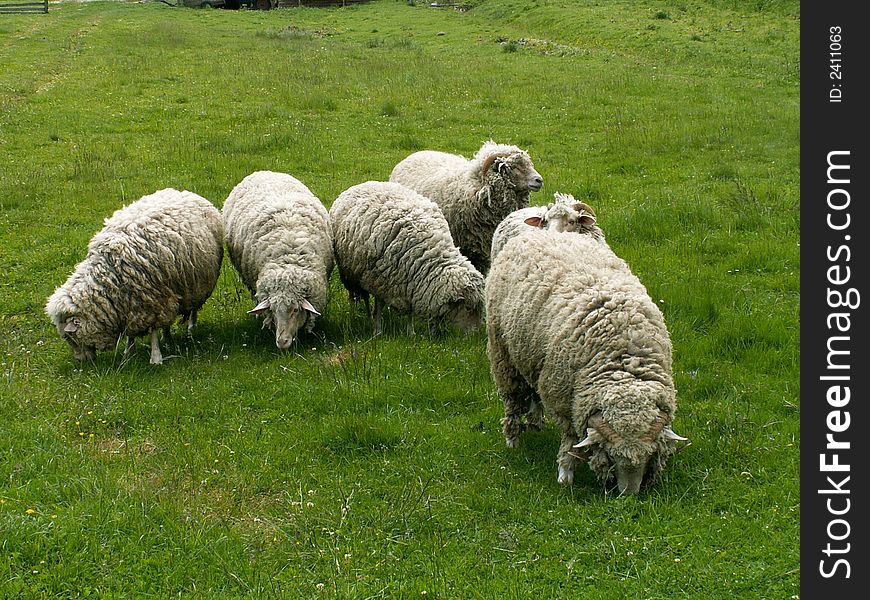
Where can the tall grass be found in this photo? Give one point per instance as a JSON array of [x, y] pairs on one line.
[[355, 467]]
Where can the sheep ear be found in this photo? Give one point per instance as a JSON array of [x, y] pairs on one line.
[[587, 441], [670, 435], [71, 326], [533, 221], [260, 308], [309, 307], [587, 220]]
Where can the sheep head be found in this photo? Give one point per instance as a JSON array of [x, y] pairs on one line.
[[636, 457], [509, 167], [71, 330], [562, 217], [464, 304], [283, 304], [83, 334], [566, 214], [467, 315], [515, 169]]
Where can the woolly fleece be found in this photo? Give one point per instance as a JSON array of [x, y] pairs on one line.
[[395, 244], [474, 195], [154, 259], [569, 325], [279, 240]]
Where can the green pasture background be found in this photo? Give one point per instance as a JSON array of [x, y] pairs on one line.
[[352, 467]]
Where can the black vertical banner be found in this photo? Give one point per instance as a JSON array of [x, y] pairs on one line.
[[835, 372]]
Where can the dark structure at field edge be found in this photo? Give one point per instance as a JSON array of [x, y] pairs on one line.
[[25, 6]]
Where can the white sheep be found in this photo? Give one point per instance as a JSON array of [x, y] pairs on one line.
[[155, 259], [395, 244], [565, 214], [570, 327], [475, 195], [279, 240]]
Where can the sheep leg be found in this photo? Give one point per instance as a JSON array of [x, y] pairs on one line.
[[156, 357], [192, 320], [567, 459], [411, 331], [535, 415], [515, 392], [376, 317], [131, 342]]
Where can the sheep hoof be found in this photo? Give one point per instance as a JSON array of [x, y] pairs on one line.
[[566, 476], [512, 442]]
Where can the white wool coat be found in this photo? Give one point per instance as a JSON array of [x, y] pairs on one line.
[[395, 244], [155, 259], [279, 240], [570, 326]]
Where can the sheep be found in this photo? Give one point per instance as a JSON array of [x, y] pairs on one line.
[[570, 327], [395, 244], [279, 240], [154, 259], [475, 195], [564, 214]]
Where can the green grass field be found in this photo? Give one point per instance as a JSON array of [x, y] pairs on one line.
[[352, 467]]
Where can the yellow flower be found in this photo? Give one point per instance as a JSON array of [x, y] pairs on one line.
[[30, 511]]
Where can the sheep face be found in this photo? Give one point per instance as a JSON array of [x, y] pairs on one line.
[[467, 316], [634, 464], [71, 329], [286, 319], [631, 441], [516, 170], [282, 306], [566, 214], [84, 336], [563, 217]]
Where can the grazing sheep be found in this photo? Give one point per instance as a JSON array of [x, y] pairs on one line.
[[570, 327], [564, 215], [280, 242], [154, 259], [474, 195], [394, 244]]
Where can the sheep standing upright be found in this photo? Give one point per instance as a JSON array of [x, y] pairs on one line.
[[474, 195], [570, 326], [154, 259], [394, 244], [565, 214], [279, 240]]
